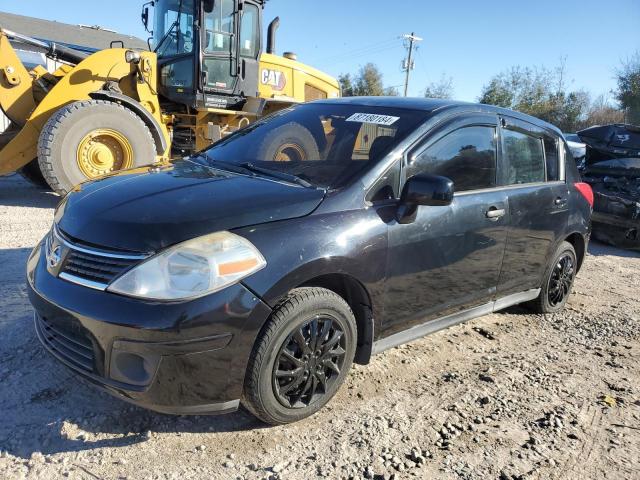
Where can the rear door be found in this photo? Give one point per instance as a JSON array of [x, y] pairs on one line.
[[533, 177], [449, 258]]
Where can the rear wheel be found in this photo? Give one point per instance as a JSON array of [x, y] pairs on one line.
[[302, 356], [86, 140], [557, 282]]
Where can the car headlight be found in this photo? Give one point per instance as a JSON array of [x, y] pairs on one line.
[[192, 269]]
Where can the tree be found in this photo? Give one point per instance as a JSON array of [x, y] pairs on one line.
[[368, 82], [601, 112], [443, 88], [539, 92], [628, 92], [346, 85]]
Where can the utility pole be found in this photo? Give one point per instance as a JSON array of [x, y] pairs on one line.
[[409, 63]]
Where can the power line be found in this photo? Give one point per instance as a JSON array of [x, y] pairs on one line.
[[409, 63], [361, 50]]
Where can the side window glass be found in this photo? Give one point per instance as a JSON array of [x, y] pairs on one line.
[[249, 32], [551, 158], [219, 26], [467, 156], [524, 157]]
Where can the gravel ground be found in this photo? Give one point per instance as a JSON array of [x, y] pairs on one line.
[[511, 395]]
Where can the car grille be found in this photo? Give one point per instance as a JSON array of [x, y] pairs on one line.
[[71, 343], [89, 266], [95, 268]]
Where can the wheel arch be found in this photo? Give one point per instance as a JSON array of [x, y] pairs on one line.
[[136, 107], [358, 298], [352, 290], [579, 245]]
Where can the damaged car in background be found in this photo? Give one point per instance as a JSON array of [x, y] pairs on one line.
[[612, 168]]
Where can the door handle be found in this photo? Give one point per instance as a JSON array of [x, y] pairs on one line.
[[560, 202], [495, 213]]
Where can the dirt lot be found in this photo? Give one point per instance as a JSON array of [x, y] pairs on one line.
[[510, 395]]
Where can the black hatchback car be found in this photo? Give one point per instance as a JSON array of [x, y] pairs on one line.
[[259, 270]]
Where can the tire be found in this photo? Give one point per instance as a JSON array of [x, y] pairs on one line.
[[31, 172], [289, 142], [65, 131], [265, 393], [546, 302]]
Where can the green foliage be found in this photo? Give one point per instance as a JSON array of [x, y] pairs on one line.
[[538, 92], [368, 82], [443, 88], [346, 85], [628, 93]]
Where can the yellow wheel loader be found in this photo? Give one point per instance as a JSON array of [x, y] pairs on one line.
[[114, 109]]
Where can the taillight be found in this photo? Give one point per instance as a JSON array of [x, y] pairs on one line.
[[586, 191]]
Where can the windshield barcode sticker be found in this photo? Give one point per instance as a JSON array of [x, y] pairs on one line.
[[373, 118]]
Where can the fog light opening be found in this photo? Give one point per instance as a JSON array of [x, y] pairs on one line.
[[132, 368]]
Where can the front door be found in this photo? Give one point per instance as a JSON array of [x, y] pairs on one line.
[[449, 258], [230, 51]]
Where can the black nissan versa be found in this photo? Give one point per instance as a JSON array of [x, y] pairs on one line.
[[259, 270]]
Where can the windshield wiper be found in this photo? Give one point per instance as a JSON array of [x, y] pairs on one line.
[[287, 177], [250, 169], [166, 35]]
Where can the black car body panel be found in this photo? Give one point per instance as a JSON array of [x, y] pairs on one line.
[[202, 346], [147, 209], [403, 278], [616, 210]]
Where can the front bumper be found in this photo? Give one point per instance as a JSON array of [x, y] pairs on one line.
[[178, 358]]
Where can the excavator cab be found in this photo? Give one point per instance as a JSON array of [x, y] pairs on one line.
[[208, 51]]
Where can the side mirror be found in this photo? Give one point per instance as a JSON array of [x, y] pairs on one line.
[[145, 17], [424, 189]]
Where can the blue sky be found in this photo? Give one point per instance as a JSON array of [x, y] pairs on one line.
[[465, 39]]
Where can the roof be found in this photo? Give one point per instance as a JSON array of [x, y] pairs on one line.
[[92, 38], [431, 105]]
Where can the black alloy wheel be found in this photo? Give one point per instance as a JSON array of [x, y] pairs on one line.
[[557, 281], [309, 362], [561, 280], [301, 357]]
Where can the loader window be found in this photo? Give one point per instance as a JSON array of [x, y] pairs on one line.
[[219, 27], [173, 33], [249, 32]]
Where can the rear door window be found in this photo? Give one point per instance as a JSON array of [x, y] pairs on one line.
[[524, 157], [467, 156]]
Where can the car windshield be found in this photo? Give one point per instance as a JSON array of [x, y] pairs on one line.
[[322, 144]]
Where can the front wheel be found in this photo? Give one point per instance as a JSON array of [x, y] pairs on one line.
[[89, 139], [302, 356], [557, 282]]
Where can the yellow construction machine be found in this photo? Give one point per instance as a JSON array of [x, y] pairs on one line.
[[204, 78]]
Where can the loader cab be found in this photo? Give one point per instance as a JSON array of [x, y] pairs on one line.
[[208, 50]]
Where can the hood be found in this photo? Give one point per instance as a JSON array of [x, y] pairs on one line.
[[147, 209], [611, 141]]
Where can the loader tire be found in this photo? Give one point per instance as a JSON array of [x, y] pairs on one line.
[[31, 172], [288, 143], [89, 139]]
